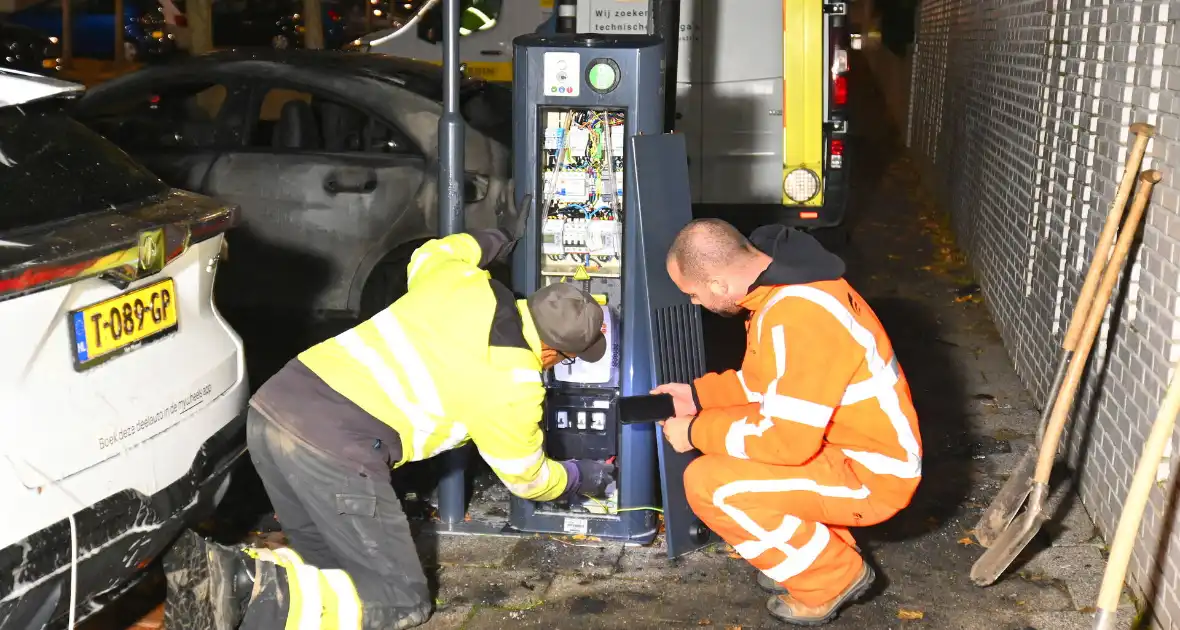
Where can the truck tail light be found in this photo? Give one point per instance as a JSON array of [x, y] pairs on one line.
[[840, 91], [839, 77], [836, 153]]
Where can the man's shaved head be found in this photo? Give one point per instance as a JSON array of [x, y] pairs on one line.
[[714, 264], [705, 246]]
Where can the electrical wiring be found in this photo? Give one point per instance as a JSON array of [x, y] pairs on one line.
[[608, 510]]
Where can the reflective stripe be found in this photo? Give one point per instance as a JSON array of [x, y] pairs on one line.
[[422, 385], [423, 425], [735, 438], [285, 556], [750, 396], [416, 261], [796, 410], [526, 376], [797, 559], [882, 387], [798, 562], [778, 340], [867, 389], [303, 585], [348, 603], [455, 438], [515, 466], [527, 488]]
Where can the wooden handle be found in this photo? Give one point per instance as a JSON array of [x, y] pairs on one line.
[[1132, 516], [1143, 133], [1077, 365]]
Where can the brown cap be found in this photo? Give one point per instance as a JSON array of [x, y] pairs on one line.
[[568, 320]]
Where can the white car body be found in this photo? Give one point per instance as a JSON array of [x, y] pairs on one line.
[[127, 451]]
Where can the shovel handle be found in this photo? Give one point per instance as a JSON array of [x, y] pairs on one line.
[[1133, 507], [1064, 402], [1143, 133]]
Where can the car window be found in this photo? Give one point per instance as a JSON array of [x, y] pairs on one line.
[[54, 168], [294, 120], [474, 16], [179, 116]]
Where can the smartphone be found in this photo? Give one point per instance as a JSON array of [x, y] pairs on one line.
[[646, 408]]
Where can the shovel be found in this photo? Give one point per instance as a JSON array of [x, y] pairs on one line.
[[1124, 536], [1011, 496], [1013, 539]]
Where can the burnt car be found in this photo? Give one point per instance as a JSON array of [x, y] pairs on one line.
[[24, 48], [332, 157]]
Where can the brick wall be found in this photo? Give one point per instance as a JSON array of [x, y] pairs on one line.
[[1019, 117]]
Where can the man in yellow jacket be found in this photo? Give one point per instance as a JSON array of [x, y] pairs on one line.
[[457, 358]]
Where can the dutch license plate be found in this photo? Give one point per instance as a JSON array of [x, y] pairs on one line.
[[117, 325]]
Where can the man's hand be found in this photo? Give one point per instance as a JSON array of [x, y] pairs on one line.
[[676, 432], [594, 477], [681, 396], [516, 217]]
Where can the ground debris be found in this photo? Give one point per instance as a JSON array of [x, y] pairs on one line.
[[910, 615]]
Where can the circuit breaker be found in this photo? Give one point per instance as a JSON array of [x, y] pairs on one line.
[[582, 104]]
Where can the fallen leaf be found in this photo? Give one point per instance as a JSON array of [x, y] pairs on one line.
[[910, 614], [704, 622], [735, 556], [966, 540], [579, 536]]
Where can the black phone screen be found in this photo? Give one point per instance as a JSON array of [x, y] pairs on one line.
[[646, 408]]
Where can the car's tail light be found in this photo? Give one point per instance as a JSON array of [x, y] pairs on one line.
[[334, 16], [107, 255]]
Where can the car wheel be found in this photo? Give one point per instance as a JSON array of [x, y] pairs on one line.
[[387, 282], [280, 42]]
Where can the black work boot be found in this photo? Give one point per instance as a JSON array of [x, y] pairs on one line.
[[209, 585]]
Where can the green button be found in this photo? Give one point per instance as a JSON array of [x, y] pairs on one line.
[[602, 77]]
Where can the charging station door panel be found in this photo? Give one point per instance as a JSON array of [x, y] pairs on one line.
[[663, 198]]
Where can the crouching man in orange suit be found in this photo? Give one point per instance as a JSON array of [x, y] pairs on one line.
[[815, 434]]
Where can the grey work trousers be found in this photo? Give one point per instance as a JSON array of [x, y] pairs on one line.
[[338, 514]]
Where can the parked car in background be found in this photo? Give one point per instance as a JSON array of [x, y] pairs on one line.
[[122, 388], [23, 48], [144, 34], [274, 23], [332, 156]]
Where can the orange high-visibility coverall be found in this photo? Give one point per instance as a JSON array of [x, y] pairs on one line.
[[815, 434]]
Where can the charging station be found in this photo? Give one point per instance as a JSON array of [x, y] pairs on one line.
[[610, 191]]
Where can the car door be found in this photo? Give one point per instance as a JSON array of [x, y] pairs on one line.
[[176, 129], [320, 183]]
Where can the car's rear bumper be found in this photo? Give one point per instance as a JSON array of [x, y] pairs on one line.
[[117, 537]]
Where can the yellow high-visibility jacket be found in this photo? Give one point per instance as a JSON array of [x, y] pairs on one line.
[[426, 367]]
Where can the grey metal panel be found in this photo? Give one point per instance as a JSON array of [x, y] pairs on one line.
[[661, 206], [640, 94]]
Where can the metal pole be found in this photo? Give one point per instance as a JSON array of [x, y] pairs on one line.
[[452, 486], [567, 16], [664, 20]]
